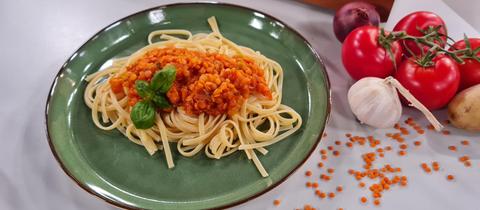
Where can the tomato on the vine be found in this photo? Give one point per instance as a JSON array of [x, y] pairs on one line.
[[364, 54], [418, 24], [433, 83], [470, 70]]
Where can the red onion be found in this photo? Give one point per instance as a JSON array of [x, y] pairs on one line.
[[353, 15]]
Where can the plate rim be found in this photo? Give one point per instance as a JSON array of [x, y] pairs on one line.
[[163, 6]]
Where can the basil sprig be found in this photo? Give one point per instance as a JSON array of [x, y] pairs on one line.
[[153, 96]]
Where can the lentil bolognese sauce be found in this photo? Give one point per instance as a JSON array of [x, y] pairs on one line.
[[202, 92], [209, 83]]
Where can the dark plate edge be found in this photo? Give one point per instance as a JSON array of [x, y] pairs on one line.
[[125, 206]]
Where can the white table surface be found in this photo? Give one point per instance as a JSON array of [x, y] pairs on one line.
[[36, 37]]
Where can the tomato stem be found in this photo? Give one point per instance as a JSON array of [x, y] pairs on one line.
[[431, 34], [431, 37], [468, 52], [386, 42]]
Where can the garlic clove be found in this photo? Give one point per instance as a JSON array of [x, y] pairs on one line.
[[375, 102]]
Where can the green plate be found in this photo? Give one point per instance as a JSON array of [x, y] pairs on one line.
[[109, 166]]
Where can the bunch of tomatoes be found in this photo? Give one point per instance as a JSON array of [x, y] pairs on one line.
[[418, 54]]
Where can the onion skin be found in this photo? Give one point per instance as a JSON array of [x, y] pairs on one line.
[[354, 15]]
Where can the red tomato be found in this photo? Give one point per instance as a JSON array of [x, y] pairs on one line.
[[420, 20], [434, 86], [470, 70], [363, 56]]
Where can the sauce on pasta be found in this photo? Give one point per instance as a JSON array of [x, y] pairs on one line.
[[210, 83]]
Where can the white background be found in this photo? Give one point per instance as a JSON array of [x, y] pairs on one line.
[[36, 37]]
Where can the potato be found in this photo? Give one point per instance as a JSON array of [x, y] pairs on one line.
[[464, 109]]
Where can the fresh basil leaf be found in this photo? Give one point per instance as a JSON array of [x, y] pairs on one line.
[[163, 80], [143, 115], [160, 101], [144, 90]]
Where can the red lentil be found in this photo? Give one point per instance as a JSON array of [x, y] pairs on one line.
[[323, 195], [396, 126], [331, 195], [435, 166], [361, 184], [339, 188], [308, 207], [276, 202], [336, 153], [351, 171], [349, 144], [464, 158]]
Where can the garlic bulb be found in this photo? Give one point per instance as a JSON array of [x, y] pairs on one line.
[[375, 102]]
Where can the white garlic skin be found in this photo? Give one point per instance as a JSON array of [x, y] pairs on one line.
[[375, 103]]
